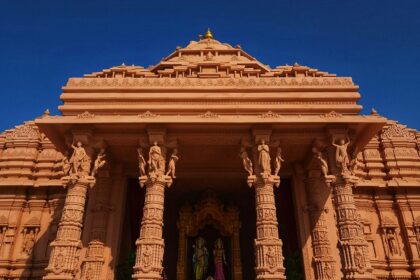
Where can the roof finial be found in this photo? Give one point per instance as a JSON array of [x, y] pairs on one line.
[[209, 34]]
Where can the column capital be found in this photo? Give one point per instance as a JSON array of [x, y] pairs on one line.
[[263, 179], [152, 179]]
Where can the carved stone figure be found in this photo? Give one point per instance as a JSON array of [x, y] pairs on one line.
[[28, 242], [264, 158], [246, 161], [278, 162], [200, 259], [66, 164], [147, 256], [99, 162], [219, 259], [359, 259], [156, 160], [341, 155], [142, 162], [79, 158], [172, 161], [392, 242], [321, 161]]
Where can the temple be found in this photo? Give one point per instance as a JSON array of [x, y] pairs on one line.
[[210, 165]]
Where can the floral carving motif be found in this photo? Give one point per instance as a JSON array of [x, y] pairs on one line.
[[148, 114], [85, 115], [24, 131], [269, 114], [209, 114], [331, 115], [397, 131]]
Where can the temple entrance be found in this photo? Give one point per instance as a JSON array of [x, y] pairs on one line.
[[209, 225]]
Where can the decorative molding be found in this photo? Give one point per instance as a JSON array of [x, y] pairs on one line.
[[211, 82], [148, 114], [270, 115], [209, 114], [331, 115], [397, 131], [85, 115], [23, 131]]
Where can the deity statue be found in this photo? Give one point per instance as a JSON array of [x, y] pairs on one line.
[[321, 161], [278, 161], [142, 162], [79, 158], [29, 242], [99, 162], [246, 161], [341, 155], [358, 258], [392, 242], [171, 165], [66, 164], [264, 157], [156, 160], [219, 260], [200, 259]]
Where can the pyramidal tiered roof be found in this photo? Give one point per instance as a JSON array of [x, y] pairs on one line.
[[208, 75], [209, 58]]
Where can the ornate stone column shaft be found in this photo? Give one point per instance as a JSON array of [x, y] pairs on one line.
[[323, 261], [268, 245], [354, 247], [64, 258], [150, 244]]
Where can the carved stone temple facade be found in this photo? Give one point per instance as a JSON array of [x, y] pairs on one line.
[[210, 165]]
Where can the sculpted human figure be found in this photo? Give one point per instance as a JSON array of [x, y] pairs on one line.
[[341, 155], [156, 161], [278, 161], [99, 162], [246, 161], [29, 241], [322, 162], [264, 157], [66, 164], [172, 161], [78, 158], [142, 162], [219, 259], [392, 242], [200, 259]]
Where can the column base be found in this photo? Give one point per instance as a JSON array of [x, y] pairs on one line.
[[269, 259]]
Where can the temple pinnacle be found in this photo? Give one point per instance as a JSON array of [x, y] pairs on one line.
[[209, 34]]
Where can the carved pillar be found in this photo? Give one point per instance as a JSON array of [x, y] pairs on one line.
[[64, 258], [64, 262], [323, 260], [353, 246], [150, 244], [268, 246], [236, 249], [93, 264], [183, 224]]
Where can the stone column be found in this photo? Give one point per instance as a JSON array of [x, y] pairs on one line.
[[323, 260], [268, 246], [64, 259], [150, 244], [354, 247]]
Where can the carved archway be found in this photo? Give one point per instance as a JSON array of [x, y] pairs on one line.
[[208, 211]]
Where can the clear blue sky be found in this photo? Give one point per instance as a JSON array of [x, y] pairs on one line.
[[42, 43]]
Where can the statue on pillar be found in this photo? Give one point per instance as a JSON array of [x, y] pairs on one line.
[[264, 159], [246, 161], [99, 162], [66, 164], [142, 162], [156, 160], [200, 259], [219, 259], [79, 160], [172, 162], [278, 161], [321, 161], [341, 155]]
